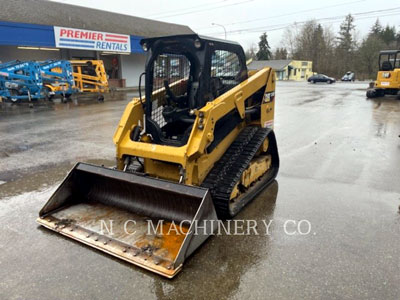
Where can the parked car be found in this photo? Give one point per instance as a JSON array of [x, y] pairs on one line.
[[349, 76], [321, 78]]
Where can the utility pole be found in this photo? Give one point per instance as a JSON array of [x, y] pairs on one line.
[[215, 24]]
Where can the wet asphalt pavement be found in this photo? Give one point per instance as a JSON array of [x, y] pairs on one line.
[[340, 170]]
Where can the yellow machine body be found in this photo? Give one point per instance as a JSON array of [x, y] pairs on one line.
[[58, 87], [62, 87], [219, 154], [166, 162], [90, 76], [388, 77]]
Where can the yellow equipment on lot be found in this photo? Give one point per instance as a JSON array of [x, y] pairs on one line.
[[90, 76], [197, 148], [54, 88], [388, 78]]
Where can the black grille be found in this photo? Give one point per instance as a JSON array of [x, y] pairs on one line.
[[174, 69], [225, 71]]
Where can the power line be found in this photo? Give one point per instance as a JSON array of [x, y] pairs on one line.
[[325, 20], [206, 9], [184, 9], [299, 23], [335, 21], [322, 20], [289, 14]]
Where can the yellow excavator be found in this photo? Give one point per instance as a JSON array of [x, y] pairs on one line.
[[388, 78], [193, 149]]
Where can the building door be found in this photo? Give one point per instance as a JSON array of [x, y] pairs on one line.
[[112, 64]]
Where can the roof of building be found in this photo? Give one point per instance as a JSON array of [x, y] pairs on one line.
[[66, 15], [278, 64]]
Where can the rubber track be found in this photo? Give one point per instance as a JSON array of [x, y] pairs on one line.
[[228, 170], [227, 160]]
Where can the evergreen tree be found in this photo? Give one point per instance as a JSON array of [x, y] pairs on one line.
[[367, 56], [311, 46], [398, 40], [376, 28], [346, 46], [346, 42], [264, 50], [388, 35], [319, 49], [336, 54], [281, 53]]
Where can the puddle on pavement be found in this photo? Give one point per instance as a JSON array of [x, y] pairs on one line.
[[21, 181], [9, 108]]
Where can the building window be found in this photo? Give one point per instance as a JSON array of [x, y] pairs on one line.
[[295, 72], [304, 63]]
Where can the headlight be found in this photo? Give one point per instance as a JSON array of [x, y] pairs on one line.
[[197, 43], [145, 48]]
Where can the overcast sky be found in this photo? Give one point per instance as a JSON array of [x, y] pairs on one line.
[[245, 20]]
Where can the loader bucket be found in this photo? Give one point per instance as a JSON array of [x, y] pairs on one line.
[[145, 221]]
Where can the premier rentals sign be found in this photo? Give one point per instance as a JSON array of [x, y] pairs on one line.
[[91, 40]]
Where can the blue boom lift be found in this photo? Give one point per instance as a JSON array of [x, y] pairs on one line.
[[20, 80], [57, 79]]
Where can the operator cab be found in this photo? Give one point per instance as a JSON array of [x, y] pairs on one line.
[[389, 60], [183, 73]]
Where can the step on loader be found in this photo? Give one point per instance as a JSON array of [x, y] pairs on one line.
[[194, 148]]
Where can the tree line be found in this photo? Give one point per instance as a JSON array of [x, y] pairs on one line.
[[332, 54]]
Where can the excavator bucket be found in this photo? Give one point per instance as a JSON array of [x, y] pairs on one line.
[[152, 223]]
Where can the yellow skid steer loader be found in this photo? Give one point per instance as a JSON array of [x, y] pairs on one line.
[[195, 148]]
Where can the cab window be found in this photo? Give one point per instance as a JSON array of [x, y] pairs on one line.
[[225, 71]]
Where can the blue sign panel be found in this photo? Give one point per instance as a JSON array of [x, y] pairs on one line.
[[23, 34], [135, 44], [20, 34]]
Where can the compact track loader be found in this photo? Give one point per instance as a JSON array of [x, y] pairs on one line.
[[388, 78], [195, 148]]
